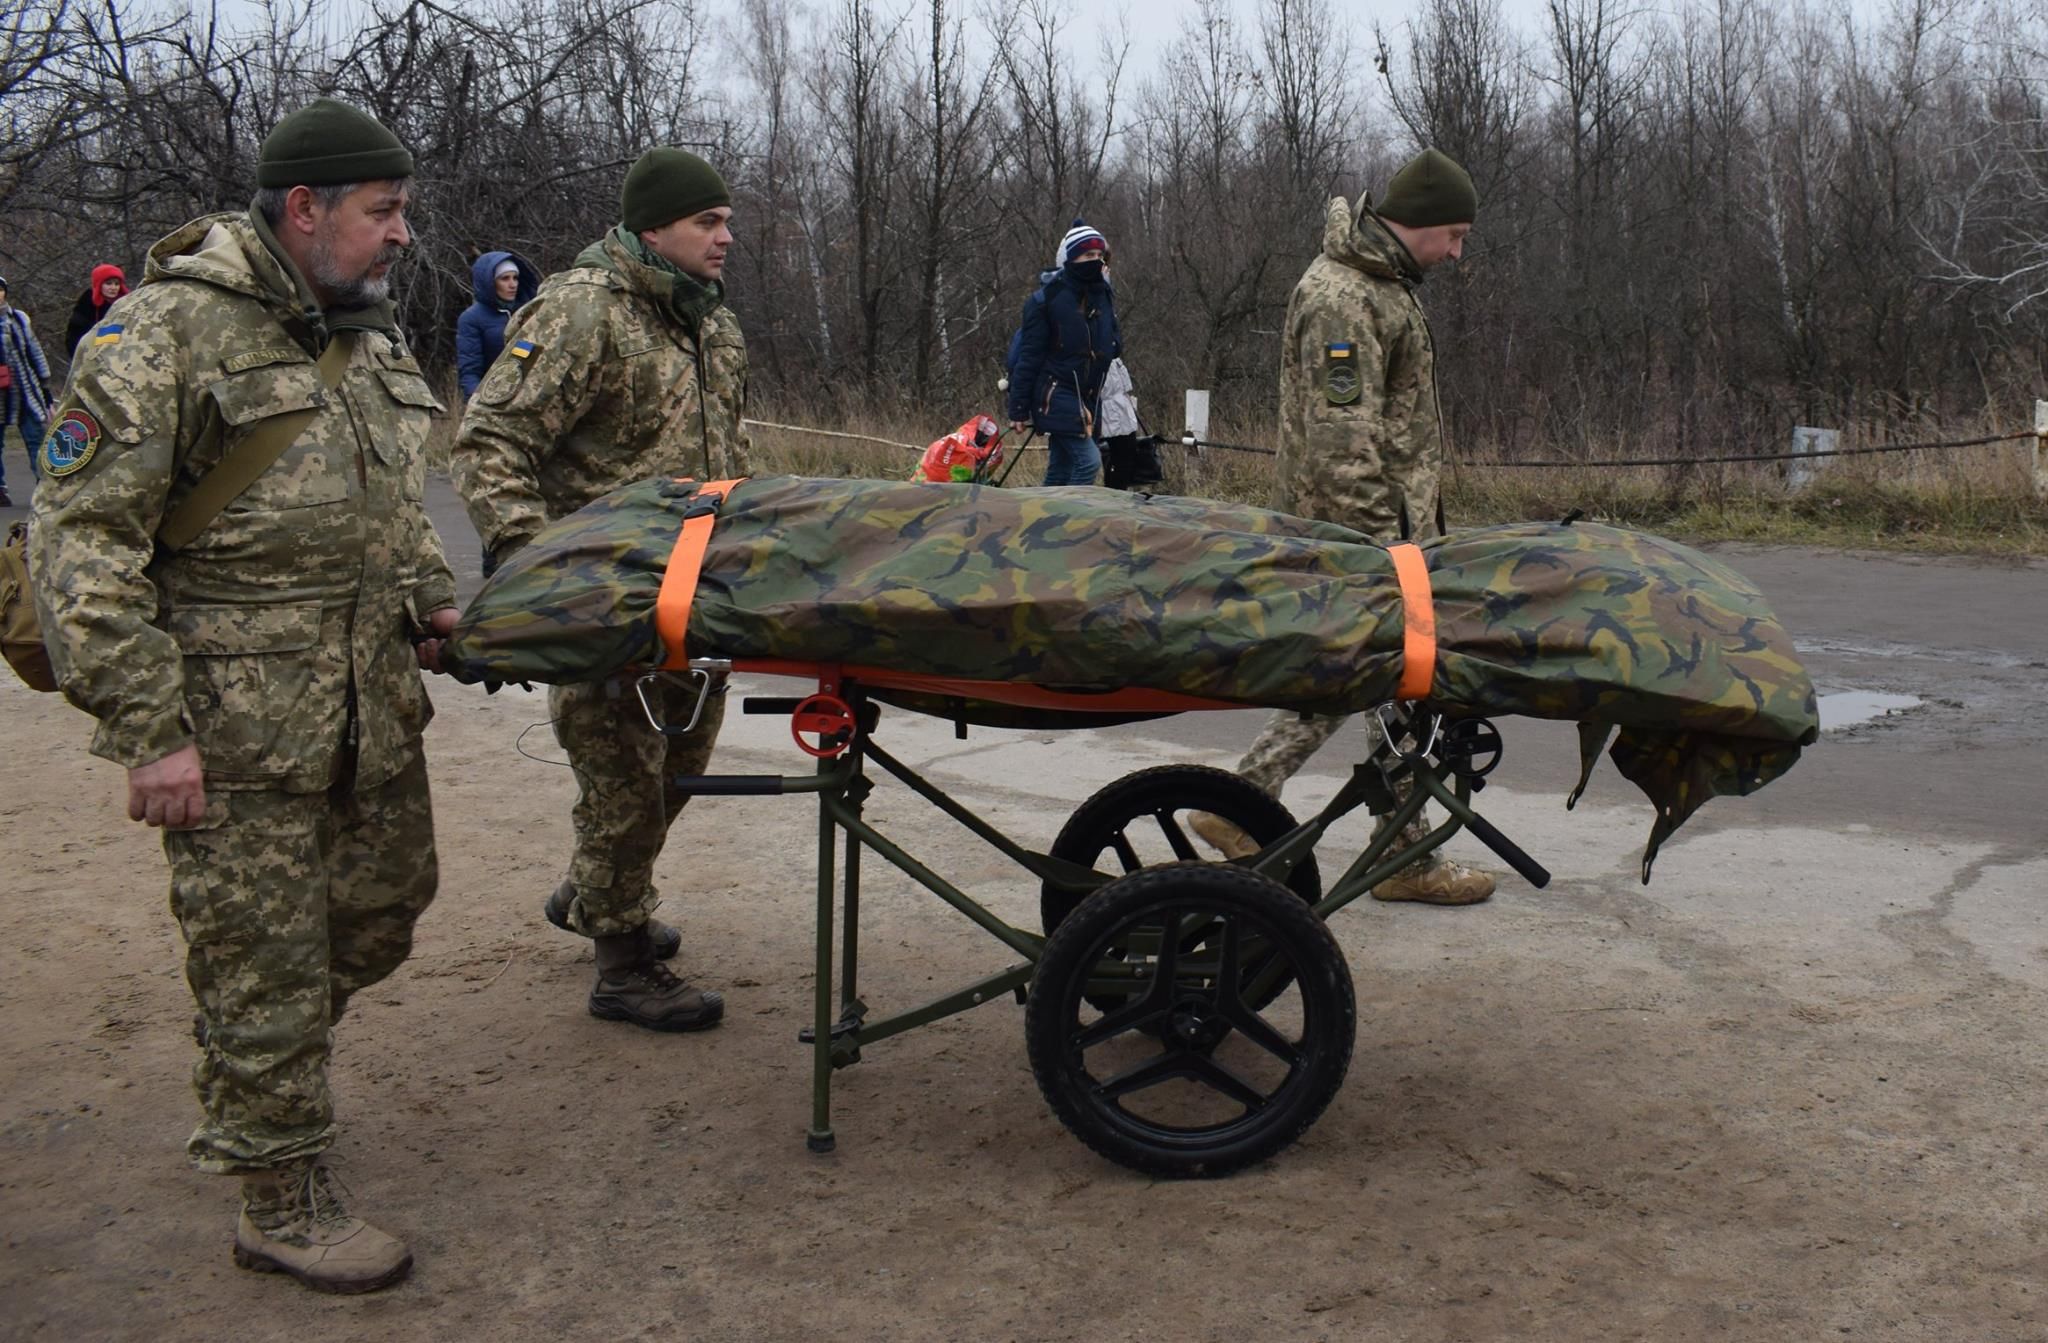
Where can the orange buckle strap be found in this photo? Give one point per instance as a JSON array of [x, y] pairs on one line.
[[685, 563], [1418, 634]]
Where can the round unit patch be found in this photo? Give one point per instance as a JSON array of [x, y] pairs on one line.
[[70, 444], [1341, 384]]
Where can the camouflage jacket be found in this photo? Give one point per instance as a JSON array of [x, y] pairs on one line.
[[602, 381], [1359, 434], [282, 628]]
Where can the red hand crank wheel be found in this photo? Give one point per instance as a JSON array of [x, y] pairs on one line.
[[830, 719]]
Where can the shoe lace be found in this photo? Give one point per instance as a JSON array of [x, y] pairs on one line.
[[324, 1196], [659, 976]]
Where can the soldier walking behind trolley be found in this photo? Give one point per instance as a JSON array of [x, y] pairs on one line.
[[623, 367], [232, 562], [1361, 437]]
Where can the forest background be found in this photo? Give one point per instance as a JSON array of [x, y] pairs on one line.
[[1701, 223]]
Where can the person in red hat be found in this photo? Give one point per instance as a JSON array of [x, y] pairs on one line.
[[108, 284]]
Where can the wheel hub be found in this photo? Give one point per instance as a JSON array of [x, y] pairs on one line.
[[1193, 1022]]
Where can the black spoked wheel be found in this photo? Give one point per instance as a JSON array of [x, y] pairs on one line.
[[1142, 820], [1198, 1066]]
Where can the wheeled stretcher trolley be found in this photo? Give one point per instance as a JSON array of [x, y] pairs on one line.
[[1182, 1017]]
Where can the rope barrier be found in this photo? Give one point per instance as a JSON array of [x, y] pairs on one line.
[[831, 433], [1985, 441], [1191, 442], [864, 438]]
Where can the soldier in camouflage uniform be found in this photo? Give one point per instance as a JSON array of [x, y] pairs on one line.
[[1361, 436], [623, 367], [260, 682]]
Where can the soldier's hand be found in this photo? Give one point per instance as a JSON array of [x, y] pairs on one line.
[[440, 624], [170, 792]]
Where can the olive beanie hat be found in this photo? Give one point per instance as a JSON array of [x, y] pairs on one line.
[[327, 143], [1430, 189], [666, 184]]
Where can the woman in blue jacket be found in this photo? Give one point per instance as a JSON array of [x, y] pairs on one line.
[[502, 283], [1065, 343]]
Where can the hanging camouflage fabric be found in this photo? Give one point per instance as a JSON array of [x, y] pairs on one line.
[[1090, 589]]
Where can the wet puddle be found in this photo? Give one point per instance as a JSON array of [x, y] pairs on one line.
[[1849, 707]]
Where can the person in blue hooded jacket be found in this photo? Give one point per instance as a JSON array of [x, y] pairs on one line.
[[1065, 342], [502, 282]]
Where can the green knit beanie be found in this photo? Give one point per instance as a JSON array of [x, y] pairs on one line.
[[326, 143], [666, 184], [1430, 189]]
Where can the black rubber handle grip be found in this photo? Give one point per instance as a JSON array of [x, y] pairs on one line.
[[1510, 852], [768, 704], [727, 785]]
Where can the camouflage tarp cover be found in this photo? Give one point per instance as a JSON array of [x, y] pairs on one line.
[[1092, 589]]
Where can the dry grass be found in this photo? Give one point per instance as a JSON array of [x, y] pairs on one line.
[[1969, 501]]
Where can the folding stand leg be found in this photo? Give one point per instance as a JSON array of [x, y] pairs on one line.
[[820, 1137]]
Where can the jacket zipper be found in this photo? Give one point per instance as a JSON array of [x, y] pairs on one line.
[[703, 410]]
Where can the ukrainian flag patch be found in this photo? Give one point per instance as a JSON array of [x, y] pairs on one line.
[[522, 349], [1341, 382], [107, 335]]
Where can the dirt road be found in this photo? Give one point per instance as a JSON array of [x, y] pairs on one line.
[[1792, 1090]]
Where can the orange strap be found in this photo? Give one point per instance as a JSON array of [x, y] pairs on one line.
[[1418, 635], [685, 563]]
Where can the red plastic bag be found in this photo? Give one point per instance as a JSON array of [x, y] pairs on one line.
[[970, 453]]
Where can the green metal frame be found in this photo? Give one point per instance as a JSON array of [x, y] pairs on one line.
[[840, 1023]]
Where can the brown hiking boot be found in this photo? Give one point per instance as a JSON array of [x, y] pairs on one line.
[[1441, 883], [633, 986], [293, 1222], [1226, 837], [668, 940]]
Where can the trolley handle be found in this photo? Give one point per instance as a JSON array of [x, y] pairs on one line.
[[731, 785], [1510, 852]]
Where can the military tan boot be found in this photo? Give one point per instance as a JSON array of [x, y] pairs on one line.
[[1226, 837], [632, 985], [1440, 883], [293, 1221]]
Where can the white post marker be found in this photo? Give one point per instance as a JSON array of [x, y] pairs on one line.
[[2041, 449], [1197, 417], [1807, 439]]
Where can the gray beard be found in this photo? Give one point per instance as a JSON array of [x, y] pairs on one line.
[[349, 291]]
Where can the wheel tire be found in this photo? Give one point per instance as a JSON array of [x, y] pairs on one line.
[[1161, 795], [1186, 1015]]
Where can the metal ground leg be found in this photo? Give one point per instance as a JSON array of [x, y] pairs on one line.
[[820, 1137]]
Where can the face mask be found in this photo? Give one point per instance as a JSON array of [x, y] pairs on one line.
[[1087, 272]]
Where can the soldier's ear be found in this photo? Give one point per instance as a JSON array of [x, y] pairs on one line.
[[301, 211]]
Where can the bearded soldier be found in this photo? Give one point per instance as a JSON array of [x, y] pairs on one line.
[[623, 367], [1361, 437], [233, 564]]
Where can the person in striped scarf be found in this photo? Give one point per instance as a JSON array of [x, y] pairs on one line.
[[24, 385]]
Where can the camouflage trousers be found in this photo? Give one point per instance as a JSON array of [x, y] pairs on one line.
[[1284, 745], [623, 807], [290, 903]]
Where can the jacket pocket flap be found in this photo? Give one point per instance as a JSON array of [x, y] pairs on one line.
[[261, 393], [408, 389], [213, 631]]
